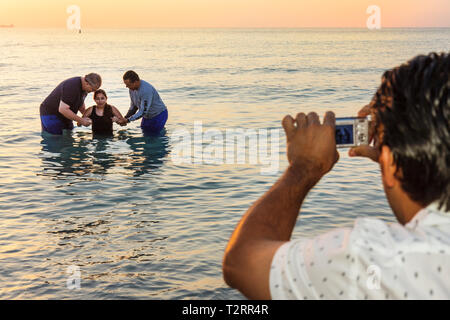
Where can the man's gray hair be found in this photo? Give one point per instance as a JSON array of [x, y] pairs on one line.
[[94, 80]]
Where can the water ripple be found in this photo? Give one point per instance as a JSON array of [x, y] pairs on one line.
[[138, 225]]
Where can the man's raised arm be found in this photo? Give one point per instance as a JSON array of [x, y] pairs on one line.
[[270, 221]]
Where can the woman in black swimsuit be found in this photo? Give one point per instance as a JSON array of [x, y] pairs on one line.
[[103, 115]]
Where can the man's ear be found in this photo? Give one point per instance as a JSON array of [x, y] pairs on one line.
[[388, 167]]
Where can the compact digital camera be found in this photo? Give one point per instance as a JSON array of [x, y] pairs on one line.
[[352, 132]]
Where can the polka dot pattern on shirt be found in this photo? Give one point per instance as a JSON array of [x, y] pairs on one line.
[[337, 265]]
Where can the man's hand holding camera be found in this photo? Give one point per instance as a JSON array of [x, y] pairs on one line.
[[311, 146], [370, 152]]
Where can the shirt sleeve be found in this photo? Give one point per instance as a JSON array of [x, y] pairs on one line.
[[146, 102], [312, 268], [325, 267], [345, 263], [133, 109], [138, 115], [69, 94]]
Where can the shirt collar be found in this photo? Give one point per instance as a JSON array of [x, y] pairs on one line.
[[435, 208], [430, 215]]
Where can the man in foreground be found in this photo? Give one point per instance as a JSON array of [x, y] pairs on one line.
[[372, 260], [60, 108]]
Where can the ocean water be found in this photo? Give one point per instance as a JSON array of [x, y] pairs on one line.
[[135, 223]]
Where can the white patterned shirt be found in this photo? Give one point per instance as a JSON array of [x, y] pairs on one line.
[[372, 260]]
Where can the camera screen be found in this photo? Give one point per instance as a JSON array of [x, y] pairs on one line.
[[344, 134]]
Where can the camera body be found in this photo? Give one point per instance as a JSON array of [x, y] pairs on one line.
[[352, 132]]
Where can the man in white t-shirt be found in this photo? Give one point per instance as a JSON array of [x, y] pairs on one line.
[[374, 259]]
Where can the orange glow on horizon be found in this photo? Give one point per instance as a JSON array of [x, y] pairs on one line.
[[224, 13]]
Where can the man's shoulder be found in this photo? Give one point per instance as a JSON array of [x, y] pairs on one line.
[[73, 80], [422, 234], [364, 231], [366, 234], [146, 86], [369, 233], [372, 225], [72, 84]]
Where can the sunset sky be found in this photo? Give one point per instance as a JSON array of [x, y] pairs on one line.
[[224, 13]]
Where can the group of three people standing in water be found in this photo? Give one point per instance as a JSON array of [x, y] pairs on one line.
[[60, 108]]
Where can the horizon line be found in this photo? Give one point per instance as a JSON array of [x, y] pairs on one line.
[[87, 28]]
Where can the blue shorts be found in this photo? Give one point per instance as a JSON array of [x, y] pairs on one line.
[[156, 124], [52, 124]]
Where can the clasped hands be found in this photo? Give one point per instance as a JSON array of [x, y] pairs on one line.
[[87, 122], [84, 122]]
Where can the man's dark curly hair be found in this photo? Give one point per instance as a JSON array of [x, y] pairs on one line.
[[413, 111]]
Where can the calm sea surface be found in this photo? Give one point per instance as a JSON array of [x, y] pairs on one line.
[[135, 223]]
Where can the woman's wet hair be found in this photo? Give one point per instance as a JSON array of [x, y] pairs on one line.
[[100, 91], [413, 111]]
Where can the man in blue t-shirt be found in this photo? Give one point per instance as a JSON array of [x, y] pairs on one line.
[[60, 108], [146, 101]]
